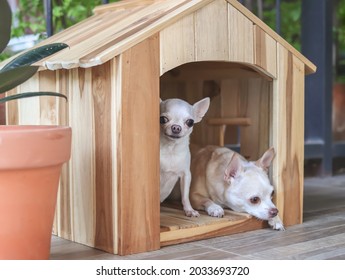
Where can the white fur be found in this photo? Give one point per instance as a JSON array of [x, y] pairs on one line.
[[174, 147], [224, 179]]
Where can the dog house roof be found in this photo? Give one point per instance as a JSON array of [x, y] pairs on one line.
[[118, 26]]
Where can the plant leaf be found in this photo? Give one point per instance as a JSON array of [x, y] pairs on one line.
[[34, 55], [14, 77], [5, 26], [30, 94]]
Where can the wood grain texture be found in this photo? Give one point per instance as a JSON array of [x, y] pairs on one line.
[[173, 54], [82, 161], [177, 228], [85, 207], [29, 108], [121, 5], [287, 136], [211, 37], [241, 37], [309, 66], [256, 104], [48, 104], [265, 52], [138, 175], [12, 109], [102, 105]]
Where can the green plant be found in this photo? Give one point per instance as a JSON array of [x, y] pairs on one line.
[[65, 14], [290, 24], [20, 68]]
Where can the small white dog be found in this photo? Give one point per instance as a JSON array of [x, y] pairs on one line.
[[177, 118], [223, 178]]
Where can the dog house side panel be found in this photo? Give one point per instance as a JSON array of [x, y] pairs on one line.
[[86, 208], [287, 136], [104, 96], [138, 153], [76, 202]]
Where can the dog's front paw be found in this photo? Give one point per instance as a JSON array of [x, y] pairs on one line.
[[215, 210], [191, 213], [276, 224]]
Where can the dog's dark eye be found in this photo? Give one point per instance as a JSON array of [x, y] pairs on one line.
[[163, 120], [190, 123], [255, 200]]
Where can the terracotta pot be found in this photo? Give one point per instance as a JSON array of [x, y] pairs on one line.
[[31, 158]]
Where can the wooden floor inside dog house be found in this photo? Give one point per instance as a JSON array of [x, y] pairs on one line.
[[236, 92], [176, 227]]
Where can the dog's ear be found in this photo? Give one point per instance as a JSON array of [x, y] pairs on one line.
[[200, 108], [160, 100], [265, 161], [233, 169]]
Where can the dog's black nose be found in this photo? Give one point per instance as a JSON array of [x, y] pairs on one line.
[[176, 129], [273, 212]]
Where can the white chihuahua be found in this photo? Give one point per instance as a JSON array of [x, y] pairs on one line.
[[223, 178], [177, 118]]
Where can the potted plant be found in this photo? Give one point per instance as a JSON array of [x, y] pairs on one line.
[[31, 158]]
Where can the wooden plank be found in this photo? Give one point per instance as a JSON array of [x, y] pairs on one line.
[[116, 112], [102, 100], [29, 108], [309, 66], [265, 51], [83, 158], [48, 104], [241, 37], [170, 12], [211, 36], [211, 230], [63, 215], [86, 37], [138, 151], [230, 106], [177, 228], [287, 136], [255, 101], [105, 44], [123, 5], [138, 27], [172, 54], [12, 109]]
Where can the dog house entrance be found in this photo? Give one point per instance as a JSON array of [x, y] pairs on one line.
[[239, 117]]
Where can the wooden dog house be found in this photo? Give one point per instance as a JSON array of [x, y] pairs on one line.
[[120, 61]]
